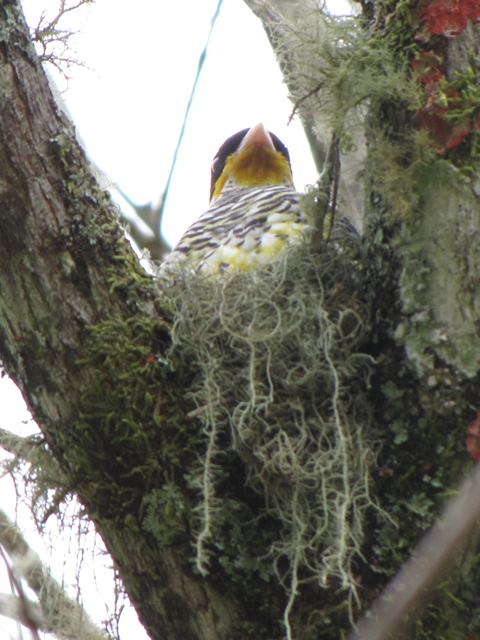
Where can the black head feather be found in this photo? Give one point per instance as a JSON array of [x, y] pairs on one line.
[[230, 146]]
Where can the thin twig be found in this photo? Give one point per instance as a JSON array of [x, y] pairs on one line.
[[298, 103]]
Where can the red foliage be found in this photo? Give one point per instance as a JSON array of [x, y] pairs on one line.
[[448, 17], [426, 67], [445, 134], [433, 116], [473, 438]]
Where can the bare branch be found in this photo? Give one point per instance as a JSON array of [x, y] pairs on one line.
[[54, 41]]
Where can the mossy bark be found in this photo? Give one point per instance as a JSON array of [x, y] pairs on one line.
[[66, 267]]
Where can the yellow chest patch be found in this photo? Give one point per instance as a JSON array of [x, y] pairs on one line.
[[253, 250], [243, 228]]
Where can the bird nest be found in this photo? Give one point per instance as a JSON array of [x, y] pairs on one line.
[[280, 384]]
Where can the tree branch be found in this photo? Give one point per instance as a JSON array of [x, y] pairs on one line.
[[298, 32], [18, 445], [151, 216], [14, 608], [60, 614], [397, 606]]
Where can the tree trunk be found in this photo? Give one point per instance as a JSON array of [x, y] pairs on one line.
[[66, 268]]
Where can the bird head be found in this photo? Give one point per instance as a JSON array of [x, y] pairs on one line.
[[251, 158]]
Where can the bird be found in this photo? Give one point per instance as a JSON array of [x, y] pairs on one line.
[[254, 210]]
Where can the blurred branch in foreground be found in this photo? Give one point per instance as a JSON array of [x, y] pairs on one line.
[[151, 239], [401, 600], [60, 615]]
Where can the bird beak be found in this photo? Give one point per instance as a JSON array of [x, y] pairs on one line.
[[258, 136]]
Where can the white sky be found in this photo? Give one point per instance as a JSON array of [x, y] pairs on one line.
[[128, 106]]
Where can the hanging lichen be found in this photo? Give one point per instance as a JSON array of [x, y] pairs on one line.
[[279, 384]]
